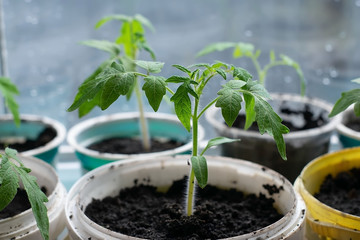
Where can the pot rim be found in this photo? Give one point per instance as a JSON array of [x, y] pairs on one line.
[[84, 125], [343, 129], [59, 128], [328, 127], [71, 209]]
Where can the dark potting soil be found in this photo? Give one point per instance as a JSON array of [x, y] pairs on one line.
[[19, 204], [354, 125], [143, 212], [305, 115], [342, 192], [44, 137], [132, 145]]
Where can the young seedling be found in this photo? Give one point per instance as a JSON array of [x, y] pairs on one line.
[[8, 91], [12, 171], [348, 98], [248, 50], [103, 86]]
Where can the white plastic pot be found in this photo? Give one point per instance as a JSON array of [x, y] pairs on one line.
[[23, 226], [30, 127], [96, 129], [223, 172], [301, 146]]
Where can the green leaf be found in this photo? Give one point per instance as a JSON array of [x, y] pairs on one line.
[[268, 121], [249, 110], [346, 99], [144, 21], [155, 89], [182, 68], [37, 199], [221, 72], [199, 166], [243, 49], [112, 17], [149, 66], [241, 74], [147, 48], [103, 45], [116, 82], [178, 79], [182, 106], [230, 100], [9, 90], [9, 184], [217, 141], [221, 46], [272, 56]]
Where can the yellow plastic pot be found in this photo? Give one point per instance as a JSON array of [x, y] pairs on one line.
[[322, 219]]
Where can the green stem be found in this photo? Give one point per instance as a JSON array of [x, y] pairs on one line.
[[143, 123], [207, 106], [191, 181]]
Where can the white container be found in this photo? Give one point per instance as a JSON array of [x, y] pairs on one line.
[[93, 130], [348, 137], [162, 171], [23, 226]]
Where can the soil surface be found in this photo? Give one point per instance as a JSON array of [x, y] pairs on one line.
[[342, 192], [132, 145], [19, 204], [305, 115], [354, 125], [44, 137], [143, 212]]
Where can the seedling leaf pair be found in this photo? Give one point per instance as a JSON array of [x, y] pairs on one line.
[[8, 91]]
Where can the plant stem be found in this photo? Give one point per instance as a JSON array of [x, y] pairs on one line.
[[191, 181], [142, 120]]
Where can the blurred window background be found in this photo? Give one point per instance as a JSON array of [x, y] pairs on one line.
[[47, 63]]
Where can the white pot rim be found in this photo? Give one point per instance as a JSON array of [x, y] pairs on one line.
[[298, 206], [59, 128], [80, 127], [343, 129], [328, 127]]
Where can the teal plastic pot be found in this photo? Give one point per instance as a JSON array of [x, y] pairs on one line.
[[348, 137], [31, 126], [96, 129]]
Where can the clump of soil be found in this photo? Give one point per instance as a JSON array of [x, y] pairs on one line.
[[132, 145], [19, 204], [305, 116], [144, 212], [342, 192], [44, 137]]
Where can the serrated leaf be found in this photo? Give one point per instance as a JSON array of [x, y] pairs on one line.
[[9, 184], [115, 83], [200, 65], [103, 45], [346, 99], [177, 79], [37, 199], [217, 141], [221, 46], [182, 68], [155, 89], [182, 106], [241, 74], [147, 48], [221, 72], [268, 121], [199, 166], [230, 101], [149, 66]]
